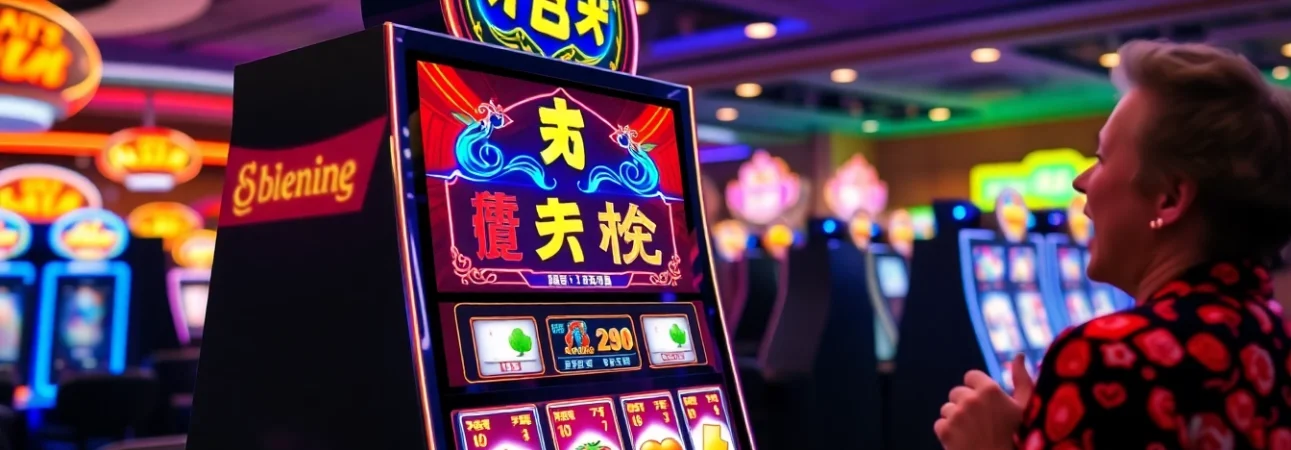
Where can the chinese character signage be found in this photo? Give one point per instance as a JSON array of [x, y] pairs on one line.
[[150, 159], [41, 193], [1043, 178], [600, 33], [536, 186], [49, 59]]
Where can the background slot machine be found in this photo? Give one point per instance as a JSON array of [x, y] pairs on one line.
[[549, 285], [731, 243], [984, 294], [85, 300], [189, 284], [1068, 254], [887, 274], [17, 293]]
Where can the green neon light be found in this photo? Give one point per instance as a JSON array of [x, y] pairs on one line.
[[1043, 177]]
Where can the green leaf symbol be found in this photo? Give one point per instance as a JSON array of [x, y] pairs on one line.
[[647, 147], [678, 335], [520, 342]]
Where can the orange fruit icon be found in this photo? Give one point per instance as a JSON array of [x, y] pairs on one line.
[[667, 444]]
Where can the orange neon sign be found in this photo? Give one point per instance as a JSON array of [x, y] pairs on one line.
[[196, 250], [41, 193], [165, 220], [48, 56], [150, 158]]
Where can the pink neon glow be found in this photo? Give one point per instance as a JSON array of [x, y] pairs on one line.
[[175, 278], [856, 187], [764, 190]]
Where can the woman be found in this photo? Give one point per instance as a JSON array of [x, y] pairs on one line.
[[1191, 197]]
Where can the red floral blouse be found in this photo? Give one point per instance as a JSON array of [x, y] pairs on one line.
[[1202, 364]]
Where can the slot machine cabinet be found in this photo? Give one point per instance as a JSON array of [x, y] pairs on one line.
[[338, 317], [17, 295], [188, 284]]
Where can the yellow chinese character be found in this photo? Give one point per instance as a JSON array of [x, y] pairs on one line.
[[561, 129], [564, 222], [557, 27], [508, 6], [596, 13], [636, 229]]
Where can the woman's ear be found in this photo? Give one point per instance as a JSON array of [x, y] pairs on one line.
[[1176, 198]]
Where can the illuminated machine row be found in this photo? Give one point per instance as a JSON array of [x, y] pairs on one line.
[[548, 283]]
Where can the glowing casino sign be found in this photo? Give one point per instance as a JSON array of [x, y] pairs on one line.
[[196, 250], [88, 234], [600, 33], [855, 187], [731, 240], [151, 159], [1012, 214], [41, 193], [1082, 229], [1043, 178], [764, 189], [861, 229], [15, 235], [165, 220], [901, 232], [553, 188], [51, 67]]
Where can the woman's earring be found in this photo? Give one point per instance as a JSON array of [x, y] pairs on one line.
[[1156, 223]]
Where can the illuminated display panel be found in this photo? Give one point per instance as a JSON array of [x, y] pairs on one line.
[[888, 280], [548, 187], [1006, 300], [1082, 298]]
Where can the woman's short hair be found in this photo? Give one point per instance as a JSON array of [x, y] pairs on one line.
[[1216, 121]]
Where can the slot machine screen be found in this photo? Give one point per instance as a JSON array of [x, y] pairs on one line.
[[562, 254], [11, 319], [192, 296], [894, 282], [82, 316], [1010, 311]]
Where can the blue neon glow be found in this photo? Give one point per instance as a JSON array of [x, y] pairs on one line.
[[724, 154], [829, 226], [1030, 221], [112, 223], [480, 160], [875, 229], [638, 174], [44, 388], [10, 220], [721, 37], [1055, 218], [959, 212]]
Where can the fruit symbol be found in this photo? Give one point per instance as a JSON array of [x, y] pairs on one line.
[[764, 190], [666, 444], [1012, 213], [677, 335], [577, 335], [595, 445], [713, 438], [855, 187], [520, 342]]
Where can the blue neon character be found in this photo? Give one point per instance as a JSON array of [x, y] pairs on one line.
[[481, 160], [638, 174]]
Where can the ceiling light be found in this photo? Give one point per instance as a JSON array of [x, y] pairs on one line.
[[1286, 50], [760, 30], [1281, 73], [727, 114], [748, 90], [939, 114], [643, 7], [870, 126], [843, 75], [986, 55], [1109, 60]]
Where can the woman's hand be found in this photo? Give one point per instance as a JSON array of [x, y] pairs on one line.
[[980, 415]]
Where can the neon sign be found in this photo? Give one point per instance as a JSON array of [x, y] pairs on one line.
[[41, 193], [88, 234], [51, 67], [855, 187], [731, 240], [319, 179], [1043, 178], [196, 250], [165, 220], [15, 235], [861, 229], [151, 159], [552, 188], [764, 189], [600, 33], [777, 240]]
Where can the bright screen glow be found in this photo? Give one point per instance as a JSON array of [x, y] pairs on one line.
[[539, 186], [893, 280]]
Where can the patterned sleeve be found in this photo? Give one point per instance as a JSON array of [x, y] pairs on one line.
[[1099, 388]]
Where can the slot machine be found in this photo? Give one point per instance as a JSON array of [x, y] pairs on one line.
[[548, 283], [887, 277], [731, 243], [17, 293], [1082, 299], [985, 294], [84, 312], [188, 284]]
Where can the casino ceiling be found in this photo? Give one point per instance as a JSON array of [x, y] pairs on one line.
[[767, 68]]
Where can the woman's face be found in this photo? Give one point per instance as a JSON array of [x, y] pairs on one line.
[[1119, 210]]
